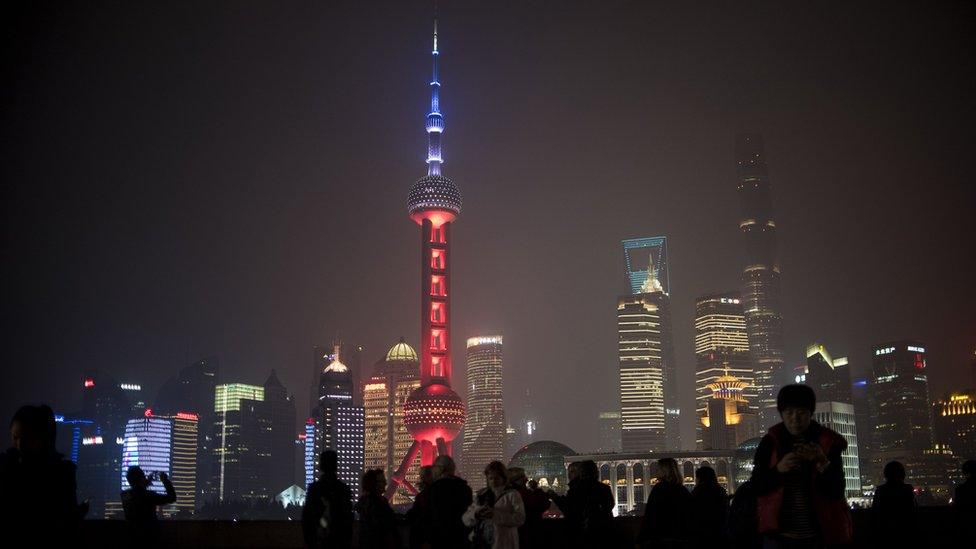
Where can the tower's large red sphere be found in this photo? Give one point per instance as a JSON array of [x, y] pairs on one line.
[[433, 412]]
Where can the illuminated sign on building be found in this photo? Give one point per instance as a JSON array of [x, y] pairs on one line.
[[885, 351], [130, 387], [88, 441], [484, 340], [89, 383], [915, 349]]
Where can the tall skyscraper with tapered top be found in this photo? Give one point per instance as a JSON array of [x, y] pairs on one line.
[[760, 276], [433, 413], [647, 375], [484, 427]]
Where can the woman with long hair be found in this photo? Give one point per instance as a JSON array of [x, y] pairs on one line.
[[377, 523], [497, 511], [666, 510], [709, 509]]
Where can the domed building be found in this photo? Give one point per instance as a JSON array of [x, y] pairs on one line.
[[545, 462], [394, 377], [742, 460]]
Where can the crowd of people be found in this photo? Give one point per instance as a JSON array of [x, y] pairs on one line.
[[794, 499]]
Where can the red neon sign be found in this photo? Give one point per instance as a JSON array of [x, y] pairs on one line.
[[187, 415], [148, 412], [89, 383]]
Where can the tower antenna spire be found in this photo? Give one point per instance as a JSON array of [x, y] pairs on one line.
[[435, 122]]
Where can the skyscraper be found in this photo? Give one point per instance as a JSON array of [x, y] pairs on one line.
[[761, 275], [434, 413], [148, 444], [721, 348], [643, 255], [901, 410], [830, 379], [484, 431], [384, 393], [609, 432], [955, 422], [192, 391], [281, 413], [339, 424], [729, 420], [647, 371], [183, 460], [242, 443]]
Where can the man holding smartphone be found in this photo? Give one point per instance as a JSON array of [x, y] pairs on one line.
[[139, 504], [798, 476]]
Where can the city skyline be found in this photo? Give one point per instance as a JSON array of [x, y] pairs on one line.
[[142, 263]]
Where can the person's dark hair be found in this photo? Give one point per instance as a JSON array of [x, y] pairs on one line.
[[133, 474], [371, 478], [705, 476], [499, 468], [969, 467], [533, 484], [895, 471], [669, 471], [796, 396], [589, 470], [329, 461], [49, 425], [26, 416]]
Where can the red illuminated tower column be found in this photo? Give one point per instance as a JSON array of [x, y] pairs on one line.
[[434, 413]]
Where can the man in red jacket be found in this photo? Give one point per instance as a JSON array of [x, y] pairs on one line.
[[798, 476]]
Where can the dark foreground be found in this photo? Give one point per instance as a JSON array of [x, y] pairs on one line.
[[936, 529]]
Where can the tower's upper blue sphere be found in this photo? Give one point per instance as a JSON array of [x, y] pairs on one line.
[[434, 192]]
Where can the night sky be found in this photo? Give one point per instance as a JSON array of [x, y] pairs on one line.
[[230, 178]]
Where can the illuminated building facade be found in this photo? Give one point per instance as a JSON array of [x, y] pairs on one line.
[[609, 431], [484, 426], [839, 416], [433, 413], [761, 275], [830, 379], [183, 459], [900, 406], [242, 444], [646, 258], [338, 424], [955, 422], [721, 348], [647, 375], [631, 475], [384, 394], [147, 443], [729, 420]]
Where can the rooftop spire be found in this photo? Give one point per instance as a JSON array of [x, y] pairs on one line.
[[435, 122]]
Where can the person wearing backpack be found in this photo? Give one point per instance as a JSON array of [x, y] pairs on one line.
[[327, 515]]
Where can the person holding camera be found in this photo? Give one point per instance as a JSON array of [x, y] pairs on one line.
[[798, 476], [139, 505]]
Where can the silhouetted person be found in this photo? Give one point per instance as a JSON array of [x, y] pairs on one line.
[[964, 502], [666, 510], [497, 512], [139, 504], [420, 508], [562, 501], [893, 508], [743, 521], [327, 515], [37, 485], [450, 497], [377, 523], [709, 510], [536, 503], [798, 475], [588, 508]]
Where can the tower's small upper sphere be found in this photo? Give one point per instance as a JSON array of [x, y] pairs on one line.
[[434, 193]]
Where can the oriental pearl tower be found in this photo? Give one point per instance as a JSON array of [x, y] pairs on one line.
[[433, 413]]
